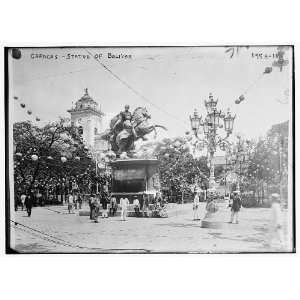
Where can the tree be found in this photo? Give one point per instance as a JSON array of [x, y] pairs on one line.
[[267, 168], [50, 155], [179, 169]]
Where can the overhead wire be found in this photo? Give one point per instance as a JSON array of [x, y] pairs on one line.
[[137, 93], [29, 111], [277, 63]]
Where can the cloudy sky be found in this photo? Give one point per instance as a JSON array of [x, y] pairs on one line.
[[170, 82]]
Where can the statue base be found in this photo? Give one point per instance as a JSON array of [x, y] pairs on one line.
[[217, 219], [135, 178]]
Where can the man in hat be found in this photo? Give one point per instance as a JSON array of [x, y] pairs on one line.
[[276, 232], [235, 207], [29, 204]]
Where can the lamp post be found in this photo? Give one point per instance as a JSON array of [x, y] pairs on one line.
[[239, 157], [210, 125]]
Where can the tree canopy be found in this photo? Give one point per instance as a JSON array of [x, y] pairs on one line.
[[49, 155]]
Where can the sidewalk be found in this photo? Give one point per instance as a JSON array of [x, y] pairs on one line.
[[178, 233]]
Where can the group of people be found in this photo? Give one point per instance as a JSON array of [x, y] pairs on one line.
[[235, 203], [158, 206], [141, 208], [74, 202], [98, 200], [26, 202]]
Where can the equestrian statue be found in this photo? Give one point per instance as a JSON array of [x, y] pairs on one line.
[[126, 128]]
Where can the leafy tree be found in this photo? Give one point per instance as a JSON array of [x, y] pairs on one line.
[[179, 169], [51, 155], [267, 167]]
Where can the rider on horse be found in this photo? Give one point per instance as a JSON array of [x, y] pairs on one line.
[[125, 119]]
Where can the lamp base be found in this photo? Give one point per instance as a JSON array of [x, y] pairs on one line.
[[216, 219]]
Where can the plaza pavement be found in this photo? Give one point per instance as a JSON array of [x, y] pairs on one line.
[[57, 231]]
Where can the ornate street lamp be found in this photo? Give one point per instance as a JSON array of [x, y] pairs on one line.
[[211, 104], [240, 157], [210, 125], [228, 122], [205, 127], [195, 122]]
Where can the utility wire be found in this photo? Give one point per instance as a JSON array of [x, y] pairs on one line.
[[134, 90]]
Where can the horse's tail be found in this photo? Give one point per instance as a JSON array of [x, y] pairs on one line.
[[160, 126]]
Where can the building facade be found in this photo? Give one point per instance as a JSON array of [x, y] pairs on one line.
[[88, 117]]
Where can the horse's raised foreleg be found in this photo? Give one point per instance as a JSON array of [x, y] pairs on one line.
[[149, 130]]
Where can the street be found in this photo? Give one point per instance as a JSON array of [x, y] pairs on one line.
[[52, 229]]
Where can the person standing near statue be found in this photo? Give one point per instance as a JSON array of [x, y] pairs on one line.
[[70, 203], [113, 206], [104, 202], [79, 201], [124, 202], [136, 205], [196, 207], [235, 207], [95, 208]]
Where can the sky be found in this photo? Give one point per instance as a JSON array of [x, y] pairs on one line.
[[170, 82]]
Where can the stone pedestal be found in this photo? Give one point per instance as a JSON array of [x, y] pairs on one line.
[[218, 218], [135, 178]]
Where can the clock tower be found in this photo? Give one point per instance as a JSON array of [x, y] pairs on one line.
[[87, 116]]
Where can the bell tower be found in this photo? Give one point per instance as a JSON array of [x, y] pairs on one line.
[[87, 116]]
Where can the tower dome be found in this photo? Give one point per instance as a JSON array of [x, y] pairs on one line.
[[88, 117], [86, 102]]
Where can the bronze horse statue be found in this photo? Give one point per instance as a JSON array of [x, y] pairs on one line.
[[122, 137]]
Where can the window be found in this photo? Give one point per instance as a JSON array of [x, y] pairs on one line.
[[80, 130], [96, 130]]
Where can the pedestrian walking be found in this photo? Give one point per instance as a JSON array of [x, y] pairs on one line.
[[104, 205], [275, 231], [124, 202], [113, 206], [79, 201], [145, 206], [235, 207], [29, 203], [95, 204], [157, 199], [23, 198], [75, 201], [70, 203], [39, 199], [136, 205], [196, 204], [91, 200]]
